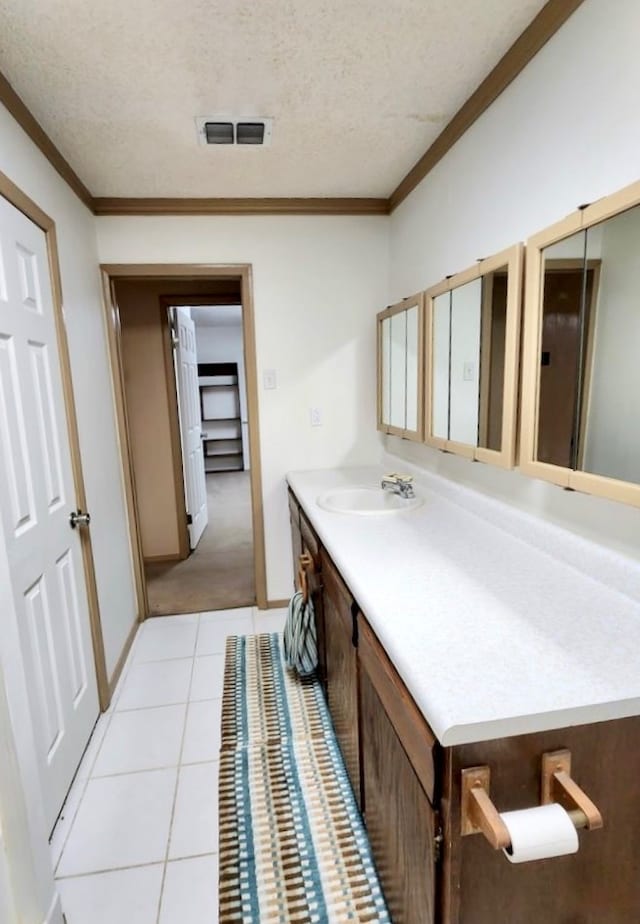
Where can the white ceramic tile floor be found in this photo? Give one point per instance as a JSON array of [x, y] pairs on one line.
[[127, 895], [208, 677], [156, 683], [212, 636], [145, 739], [167, 643], [190, 892], [195, 817], [146, 791], [202, 731]]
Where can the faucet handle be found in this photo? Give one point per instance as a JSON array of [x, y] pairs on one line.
[[398, 478]]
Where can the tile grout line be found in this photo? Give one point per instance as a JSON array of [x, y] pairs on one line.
[[109, 714], [181, 702], [119, 869], [175, 791]]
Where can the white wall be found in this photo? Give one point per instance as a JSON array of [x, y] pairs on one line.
[[317, 284], [561, 135], [27, 167]]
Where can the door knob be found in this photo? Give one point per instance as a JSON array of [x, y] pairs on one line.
[[78, 518]]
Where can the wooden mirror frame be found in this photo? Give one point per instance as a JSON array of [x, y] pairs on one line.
[[512, 259], [601, 485], [413, 301]]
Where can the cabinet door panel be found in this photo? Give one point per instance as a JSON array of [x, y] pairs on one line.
[[400, 820], [311, 545], [409, 723], [342, 669], [598, 885], [296, 538]]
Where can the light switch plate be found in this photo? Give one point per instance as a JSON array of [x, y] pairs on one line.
[[468, 372], [269, 378], [315, 414]]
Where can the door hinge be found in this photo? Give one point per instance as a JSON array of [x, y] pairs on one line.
[[355, 609], [438, 839], [189, 520]]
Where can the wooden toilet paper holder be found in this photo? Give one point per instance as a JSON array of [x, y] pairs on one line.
[[480, 816]]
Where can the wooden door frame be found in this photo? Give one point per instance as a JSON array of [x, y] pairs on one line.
[[182, 272], [16, 197]]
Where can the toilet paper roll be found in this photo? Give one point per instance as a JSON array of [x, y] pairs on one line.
[[538, 833]]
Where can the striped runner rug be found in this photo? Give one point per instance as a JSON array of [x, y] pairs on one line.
[[293, 848]]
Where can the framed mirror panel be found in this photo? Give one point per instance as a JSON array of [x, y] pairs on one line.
[[580, 425], [472, 329], [400, 331]]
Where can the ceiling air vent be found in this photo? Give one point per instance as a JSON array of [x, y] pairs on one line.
[[224, 129]]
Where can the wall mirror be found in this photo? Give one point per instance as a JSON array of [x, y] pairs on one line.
[[472, 335], [400, 368], [581, 384]]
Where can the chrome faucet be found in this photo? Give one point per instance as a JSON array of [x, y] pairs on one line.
[[398, 484]]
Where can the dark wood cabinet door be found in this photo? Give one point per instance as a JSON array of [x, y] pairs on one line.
[[311, 545], [342, 669], [399, 817], [296, 536], [598, 885]]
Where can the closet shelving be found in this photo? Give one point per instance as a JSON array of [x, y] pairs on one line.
[[220, 416]]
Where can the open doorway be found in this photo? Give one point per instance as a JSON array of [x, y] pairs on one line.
[[210, 381], [185, 382]]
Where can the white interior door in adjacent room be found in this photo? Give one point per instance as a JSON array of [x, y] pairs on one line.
[[190, 425], [37, 497]]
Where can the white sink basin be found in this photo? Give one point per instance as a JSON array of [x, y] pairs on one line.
[[365, 501]]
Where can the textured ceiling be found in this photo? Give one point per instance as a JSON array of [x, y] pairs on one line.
[[358, 89]]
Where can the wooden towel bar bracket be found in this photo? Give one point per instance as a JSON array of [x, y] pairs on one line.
[[480, 816], [305, 561]]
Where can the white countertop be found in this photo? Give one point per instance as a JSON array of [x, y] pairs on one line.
[[498, 623]]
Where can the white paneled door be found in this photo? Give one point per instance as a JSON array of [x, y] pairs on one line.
[[37, 497], [191, 425]]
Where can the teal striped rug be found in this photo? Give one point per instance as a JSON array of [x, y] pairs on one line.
[[293, 847]]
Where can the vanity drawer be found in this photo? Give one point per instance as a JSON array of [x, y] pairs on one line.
[[409, 724]]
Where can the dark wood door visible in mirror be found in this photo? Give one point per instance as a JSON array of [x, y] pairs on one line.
[[400, 820], [564, 283], [492, 351]]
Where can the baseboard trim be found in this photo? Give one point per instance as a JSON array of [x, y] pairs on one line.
[[276, 604], [115, 677]]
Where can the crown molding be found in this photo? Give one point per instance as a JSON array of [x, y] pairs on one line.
[[14, 105], [550, 18], [545, 25], [245, 206]]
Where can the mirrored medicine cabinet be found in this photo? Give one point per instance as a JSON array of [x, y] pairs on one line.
[[580, 423], [400, 368], [472, 323]]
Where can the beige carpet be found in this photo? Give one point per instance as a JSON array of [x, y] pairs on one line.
[[218, 575]]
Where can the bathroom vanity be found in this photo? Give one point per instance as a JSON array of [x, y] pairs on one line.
[[462, 634]]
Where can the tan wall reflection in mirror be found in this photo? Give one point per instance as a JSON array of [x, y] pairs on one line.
[[472, 333], [400, 368], [581, 385]]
